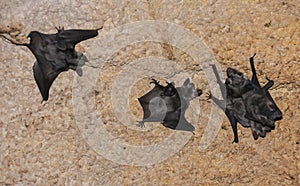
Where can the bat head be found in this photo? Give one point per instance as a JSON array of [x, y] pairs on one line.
[[76, 62], [260, 109], [271, 110], [233, 72], [169, 90], [237, 84], [33, 36], [82, 59], [187, 91], [276, 115], [235, 77]]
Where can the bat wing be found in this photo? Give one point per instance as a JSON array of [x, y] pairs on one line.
[[67, 39], [236, 112], [145, 106], [50, 60], [259, 130], [44, 76], [233, 123], [152, 104], [184, 125], [54, 54], [176, 120], [219, 81], [254, 78]]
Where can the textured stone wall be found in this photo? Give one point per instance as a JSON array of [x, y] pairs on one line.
[[42, 144]]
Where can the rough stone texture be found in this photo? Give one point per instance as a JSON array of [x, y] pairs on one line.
[[41, 144]]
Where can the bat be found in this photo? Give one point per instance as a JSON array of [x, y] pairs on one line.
[[270, 109], [247, 102], [55, 53], [167, 104], [237, 84]]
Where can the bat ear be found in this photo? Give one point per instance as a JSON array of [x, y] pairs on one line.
[[79, 71], [186, 82]]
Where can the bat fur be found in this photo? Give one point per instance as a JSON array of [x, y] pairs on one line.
[[246, 102], [55, 53], [167, 104]]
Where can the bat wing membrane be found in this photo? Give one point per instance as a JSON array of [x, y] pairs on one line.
[[44, 76], [67, 39]]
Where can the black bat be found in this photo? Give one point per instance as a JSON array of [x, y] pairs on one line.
[[167, 104], [55, 53], [247, 102], [243, 98], [269, 108]]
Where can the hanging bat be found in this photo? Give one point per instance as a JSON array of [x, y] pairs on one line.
[[167, 104], [265, 102], [54, 54], [247, 102]]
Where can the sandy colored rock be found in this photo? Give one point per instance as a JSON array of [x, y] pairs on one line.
[[42, 144]]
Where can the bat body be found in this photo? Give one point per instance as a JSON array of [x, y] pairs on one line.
[[167, 104], [247, 102], [268, 107], [56, 53]]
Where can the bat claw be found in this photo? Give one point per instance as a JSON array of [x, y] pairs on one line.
[[59, 28], [99, 28], [209, 95], [235, 141], [154, 81], [268, 78], [140, 124]]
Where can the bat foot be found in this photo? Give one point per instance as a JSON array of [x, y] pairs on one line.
[[270, 80], [154, 81], [235, 141], [253, 56], [208, 95], [59, 28], [43, 101]]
